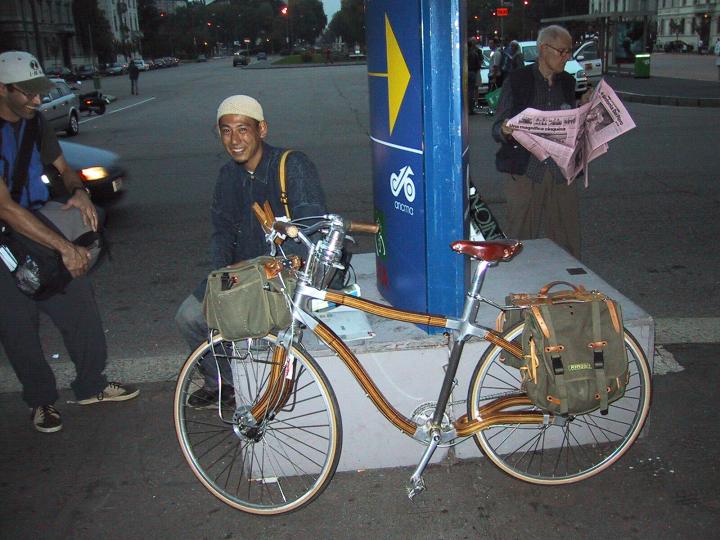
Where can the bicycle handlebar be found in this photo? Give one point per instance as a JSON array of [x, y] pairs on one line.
[[361, 227], [288, 229]]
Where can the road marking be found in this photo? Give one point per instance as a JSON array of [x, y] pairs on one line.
[[117, 110], [687, 330]]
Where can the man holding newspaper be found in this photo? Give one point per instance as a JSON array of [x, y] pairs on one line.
[[546, 141]]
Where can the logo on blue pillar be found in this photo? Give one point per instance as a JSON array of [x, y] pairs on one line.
[[402, 182]]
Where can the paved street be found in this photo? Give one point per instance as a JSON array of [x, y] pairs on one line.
[[650, 228], [117, 473], [649, 216]]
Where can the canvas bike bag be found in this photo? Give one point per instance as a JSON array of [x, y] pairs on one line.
[[574, 358], [248, 300]]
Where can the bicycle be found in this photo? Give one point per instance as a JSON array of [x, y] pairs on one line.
[[275, 447]]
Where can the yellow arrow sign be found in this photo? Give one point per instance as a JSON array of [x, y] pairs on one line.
[[398, 74]]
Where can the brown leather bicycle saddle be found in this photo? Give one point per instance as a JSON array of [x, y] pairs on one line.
[[490, 251]]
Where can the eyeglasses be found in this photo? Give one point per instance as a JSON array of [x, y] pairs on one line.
[[28, 96], [561, 52]]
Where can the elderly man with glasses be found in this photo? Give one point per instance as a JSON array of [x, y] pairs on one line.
[[539, 200]]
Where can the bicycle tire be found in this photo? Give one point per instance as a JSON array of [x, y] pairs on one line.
[[277, 466], [550, 454]]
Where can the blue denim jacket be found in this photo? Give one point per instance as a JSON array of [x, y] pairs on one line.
[[236, 233]]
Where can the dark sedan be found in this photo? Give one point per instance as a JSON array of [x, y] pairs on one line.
[[87, 71], [99, 169], [61, 72]]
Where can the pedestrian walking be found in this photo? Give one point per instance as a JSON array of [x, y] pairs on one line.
[[716, 50], [134, 73]]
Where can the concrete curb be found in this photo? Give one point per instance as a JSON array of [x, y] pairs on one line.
[[166, 367], [673, 101]]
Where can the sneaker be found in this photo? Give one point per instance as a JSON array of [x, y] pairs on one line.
[[46, 418], [207, 398], [112, 392]]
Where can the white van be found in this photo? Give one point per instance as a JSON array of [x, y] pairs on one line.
[[141, 65], [588, 56]]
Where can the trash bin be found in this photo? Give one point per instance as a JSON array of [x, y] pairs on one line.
[[642, 66], [96, 81]]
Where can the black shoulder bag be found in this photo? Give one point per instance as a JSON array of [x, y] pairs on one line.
[[39, 271]]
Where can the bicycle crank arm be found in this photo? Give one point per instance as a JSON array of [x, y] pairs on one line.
[[417, 484]]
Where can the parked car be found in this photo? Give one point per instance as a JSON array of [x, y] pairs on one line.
[[677, 46], [86, 71], [261, 56], [61, 72], [484, 82], [201, 58], [240, 59], [141, 64], [61, 108], [100, 170], [114, 68], [588, 56], [530, 53]]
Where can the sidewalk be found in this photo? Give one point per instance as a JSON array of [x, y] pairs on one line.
[[666, 90], [116, 472]]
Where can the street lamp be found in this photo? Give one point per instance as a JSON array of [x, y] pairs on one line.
[[284, 12]]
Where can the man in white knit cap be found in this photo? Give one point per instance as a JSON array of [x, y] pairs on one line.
[[251, 175]]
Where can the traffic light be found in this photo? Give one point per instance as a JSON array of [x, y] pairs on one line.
[[284, 9], [526, 2]]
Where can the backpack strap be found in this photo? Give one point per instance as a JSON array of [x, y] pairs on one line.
[[283, 184], [22, 160], [556, 359], [599, 358]]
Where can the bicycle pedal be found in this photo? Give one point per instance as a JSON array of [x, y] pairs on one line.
[[415, 488]]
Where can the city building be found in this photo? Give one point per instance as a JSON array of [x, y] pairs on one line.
[[689, 21], [123, 18], [43, 28]]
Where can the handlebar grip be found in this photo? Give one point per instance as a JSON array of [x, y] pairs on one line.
[[360, 227], [288, 229]]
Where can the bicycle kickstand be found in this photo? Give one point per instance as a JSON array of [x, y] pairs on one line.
[[417, 484]]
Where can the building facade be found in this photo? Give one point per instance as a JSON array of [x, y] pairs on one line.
[[44, 28], [691, 21], [123, 18]]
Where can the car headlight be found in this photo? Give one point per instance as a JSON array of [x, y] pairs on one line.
[[93, 173]]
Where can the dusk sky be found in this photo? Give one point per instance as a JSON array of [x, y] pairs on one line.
[[331, 7]]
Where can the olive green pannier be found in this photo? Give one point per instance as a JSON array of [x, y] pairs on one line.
[[250, 299], [574, 358]]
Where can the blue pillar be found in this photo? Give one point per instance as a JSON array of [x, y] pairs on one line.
[[416, 54]]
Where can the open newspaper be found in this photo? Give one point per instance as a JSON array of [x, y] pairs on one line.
[[573, 137]]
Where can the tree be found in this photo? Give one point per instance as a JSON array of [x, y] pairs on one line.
[[349, 22], [151, 26], [93, 30], [308, 19]]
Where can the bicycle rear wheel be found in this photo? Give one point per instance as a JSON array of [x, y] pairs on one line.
[[273, 464], [566, 451]]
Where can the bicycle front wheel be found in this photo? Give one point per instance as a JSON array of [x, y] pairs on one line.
[[567, 449], [269, 463]]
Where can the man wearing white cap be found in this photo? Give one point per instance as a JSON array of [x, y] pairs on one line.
[[75, 313], [251, 175]]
